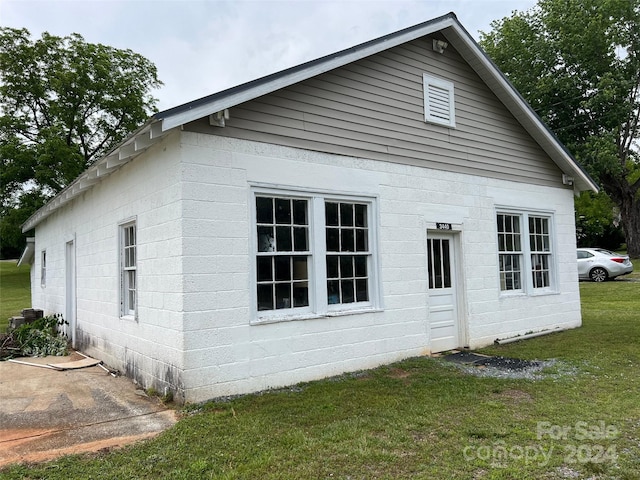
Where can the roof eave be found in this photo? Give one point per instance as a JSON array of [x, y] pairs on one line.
[[518, 106], [248, 91], [135, 144]]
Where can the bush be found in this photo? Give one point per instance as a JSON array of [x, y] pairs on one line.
[[40, 337]]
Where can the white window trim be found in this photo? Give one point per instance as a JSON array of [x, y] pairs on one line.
[[127, 313], [528, 288], [438, 86], [43, 268], [318, 298]]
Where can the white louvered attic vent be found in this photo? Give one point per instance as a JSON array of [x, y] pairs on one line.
[[438, 101]]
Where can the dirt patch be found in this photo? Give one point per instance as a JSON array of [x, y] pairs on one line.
[[515, 396], [398, 373], [41, 436]]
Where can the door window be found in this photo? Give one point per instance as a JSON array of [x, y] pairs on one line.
[[439, 263]]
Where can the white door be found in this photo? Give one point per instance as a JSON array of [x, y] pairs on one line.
[[70, 293], [443, 302]]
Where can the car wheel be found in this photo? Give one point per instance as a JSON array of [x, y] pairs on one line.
[[598, 274]]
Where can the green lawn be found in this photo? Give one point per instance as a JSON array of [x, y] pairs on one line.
[[15, 292], [421, 418]]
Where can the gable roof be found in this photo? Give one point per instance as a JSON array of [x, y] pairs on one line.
[[448, 25]]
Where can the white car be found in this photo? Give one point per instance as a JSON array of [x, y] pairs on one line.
[[598, 264]]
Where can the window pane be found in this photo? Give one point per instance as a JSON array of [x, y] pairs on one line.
[[283, 211], [346, 214], [283, 239], [300, 268], [132, 299], [333, 292], [331, 214], [361, 215], [265, 297], [301, 294], [362, 290], [360, 266], [264, 210], [346, 266], [446, 264], [300, 243], [283, 295], [265, 269], [332, 266], [361, 241], [347, 242], [283, 269], [300, 212], [436, 265], [333, 240], [266, 240], [348, 294]]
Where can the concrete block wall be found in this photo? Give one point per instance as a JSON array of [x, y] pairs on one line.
[[195, 334], [225, 353], [148, 348]]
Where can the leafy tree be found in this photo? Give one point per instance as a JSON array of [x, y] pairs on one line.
[[577, 62], [597, 221], [63, 103]]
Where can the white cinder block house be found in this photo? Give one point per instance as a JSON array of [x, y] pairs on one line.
[[390, 200]]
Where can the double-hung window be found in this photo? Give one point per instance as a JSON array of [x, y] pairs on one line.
[[525, 255], [43, 269], [347, 257], [282, 259], [540, 250], [510, 252], [313, 255], [128, 268]]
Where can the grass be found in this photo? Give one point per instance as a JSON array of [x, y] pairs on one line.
[[15, 292], [420, 418]]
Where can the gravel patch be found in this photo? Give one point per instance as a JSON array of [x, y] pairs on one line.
[[509, 368]]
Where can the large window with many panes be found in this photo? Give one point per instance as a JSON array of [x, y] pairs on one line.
[[525, 254], [313, 254]]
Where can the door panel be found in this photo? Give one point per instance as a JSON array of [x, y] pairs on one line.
[[443, 310]]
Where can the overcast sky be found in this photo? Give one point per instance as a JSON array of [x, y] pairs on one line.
[[203, 46]]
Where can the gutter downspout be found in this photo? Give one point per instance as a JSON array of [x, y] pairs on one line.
[[504, 341]]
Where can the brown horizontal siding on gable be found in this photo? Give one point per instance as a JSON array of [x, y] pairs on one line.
[[374, 109]]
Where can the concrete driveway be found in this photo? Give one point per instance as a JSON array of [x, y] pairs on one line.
[[47, 413]]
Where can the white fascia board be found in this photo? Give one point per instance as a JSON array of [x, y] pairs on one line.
[[132, 146], [228, 101], [518, 107]]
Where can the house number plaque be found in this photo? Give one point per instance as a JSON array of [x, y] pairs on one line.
[[443, 226]]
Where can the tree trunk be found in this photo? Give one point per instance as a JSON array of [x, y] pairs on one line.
[[630, 216]]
